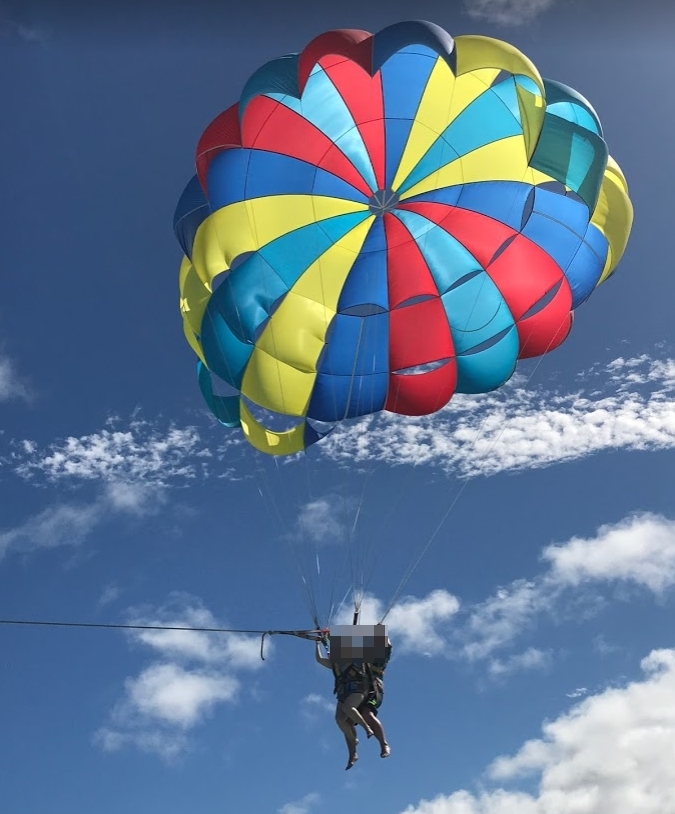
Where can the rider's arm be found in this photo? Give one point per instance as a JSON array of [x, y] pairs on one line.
[[322, 660]]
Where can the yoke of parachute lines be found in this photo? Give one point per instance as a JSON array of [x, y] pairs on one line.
[[316, 635]]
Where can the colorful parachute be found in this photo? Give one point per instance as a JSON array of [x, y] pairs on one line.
[[385, 220]]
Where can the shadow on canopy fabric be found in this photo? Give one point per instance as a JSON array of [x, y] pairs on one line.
[[385, 220]]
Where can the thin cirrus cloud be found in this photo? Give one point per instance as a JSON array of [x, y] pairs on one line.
[[12, 385], [143, 451], [302, 806], [190, 673], [613, 751], [70, 524], [626, 405], [506, 12]]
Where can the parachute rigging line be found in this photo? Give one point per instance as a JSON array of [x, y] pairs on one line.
[[315, 635]]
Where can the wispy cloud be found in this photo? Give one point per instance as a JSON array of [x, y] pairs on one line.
[[627, 405], [190, 673], [314, 706], [610, 752], [506, 12], [13, 24], [325, 519], [638, 551], [303, 806], [143, 452], [58, 525], [111, 593], [70, 524], [12, 385], [531, 659]]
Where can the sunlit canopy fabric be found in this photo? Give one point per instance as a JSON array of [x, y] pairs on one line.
[[385, 220]]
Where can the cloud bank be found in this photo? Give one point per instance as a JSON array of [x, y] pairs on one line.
[[611, 752], [190, 674]]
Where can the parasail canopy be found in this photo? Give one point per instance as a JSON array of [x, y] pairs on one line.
[[385, 220]]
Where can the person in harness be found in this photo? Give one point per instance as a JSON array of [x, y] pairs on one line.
[[359, 689], [369, 708], [351, 689]]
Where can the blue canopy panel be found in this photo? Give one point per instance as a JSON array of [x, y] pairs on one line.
[[558, 225], [280, 76], [356, 345], [483, 333], [417, 36], [488, 118], [225, 354], [312, 435], [247, 295], [486, 367], [509, 202], [366, 285], [336, 398], [240, 174], [447, 259], [225, 408], [405, 75], [191, 211], [572, 155], [353, 371], [587, 265], [445, 195], [293, 253], [569, 104], [322, 105]]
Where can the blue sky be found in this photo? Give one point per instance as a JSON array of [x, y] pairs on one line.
[[534, 666]]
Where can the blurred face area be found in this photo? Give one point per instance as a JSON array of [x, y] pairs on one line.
[[358, 643]]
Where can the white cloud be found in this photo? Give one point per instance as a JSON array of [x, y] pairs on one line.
[[324, 519], [639, 549], [417, 625], [628, 404], [313, 703], [65, 524], [59, 525], [12, 386], [135, 498], [167, 745], [302, 806], [524, 428], [174, 695], [415, 622], [498, 620], [611, 752], [530, 659], [506, 12], [190, 674], [144, 452], [238, 651], [109, 594]]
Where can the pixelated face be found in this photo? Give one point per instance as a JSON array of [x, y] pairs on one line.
[[358, 643]]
